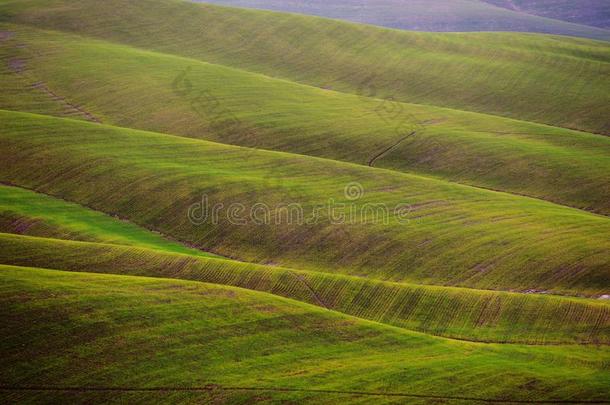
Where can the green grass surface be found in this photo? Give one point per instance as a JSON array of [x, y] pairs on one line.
[[470, 264], [553, 80], [233, 106], [140, 332], [467, 314], [453, 235], [29, 213]]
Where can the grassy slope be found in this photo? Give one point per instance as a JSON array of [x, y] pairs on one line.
[[553, 80], [232, 106], [139, 332], [482, 315], [29, 213], [455, 235], [468, 314], [433, 15]]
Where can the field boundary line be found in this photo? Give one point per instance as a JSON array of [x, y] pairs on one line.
[[92, 37], [371, 162], [321, 305], [397, 172], [215, 387]]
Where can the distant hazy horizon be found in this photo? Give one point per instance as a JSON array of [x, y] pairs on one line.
[[590, 19]]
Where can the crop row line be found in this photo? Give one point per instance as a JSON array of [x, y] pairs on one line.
[[215, 387]]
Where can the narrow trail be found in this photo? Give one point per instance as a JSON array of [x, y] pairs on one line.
[[318, 299], [373, 160], [18, 65], [211, 388], [384, 152], [68, 105]]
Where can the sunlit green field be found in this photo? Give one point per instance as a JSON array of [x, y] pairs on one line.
[[150, 333], [548, 79], [30, 213], [428, 231], [202, 204], [465, 314], [181, 96]]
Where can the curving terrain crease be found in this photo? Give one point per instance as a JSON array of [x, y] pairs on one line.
[[207, 204]]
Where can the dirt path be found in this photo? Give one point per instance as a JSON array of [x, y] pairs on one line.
[[317, 299], [68, 106], [18, 65], [315, 295], [384, 152], [216, 388]]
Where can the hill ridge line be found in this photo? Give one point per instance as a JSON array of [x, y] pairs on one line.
[[296, 270], [383, 153], [360, 165], [383, 27], [321, 307], [320, 303], [216, 387], [168, 237], [263, 75]]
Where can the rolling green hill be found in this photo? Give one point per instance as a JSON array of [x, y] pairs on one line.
[[403, 228], [459, 313], [205, 204], [140, 333], [164, 93], [28, 213], [552, 80], [465, 314]]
